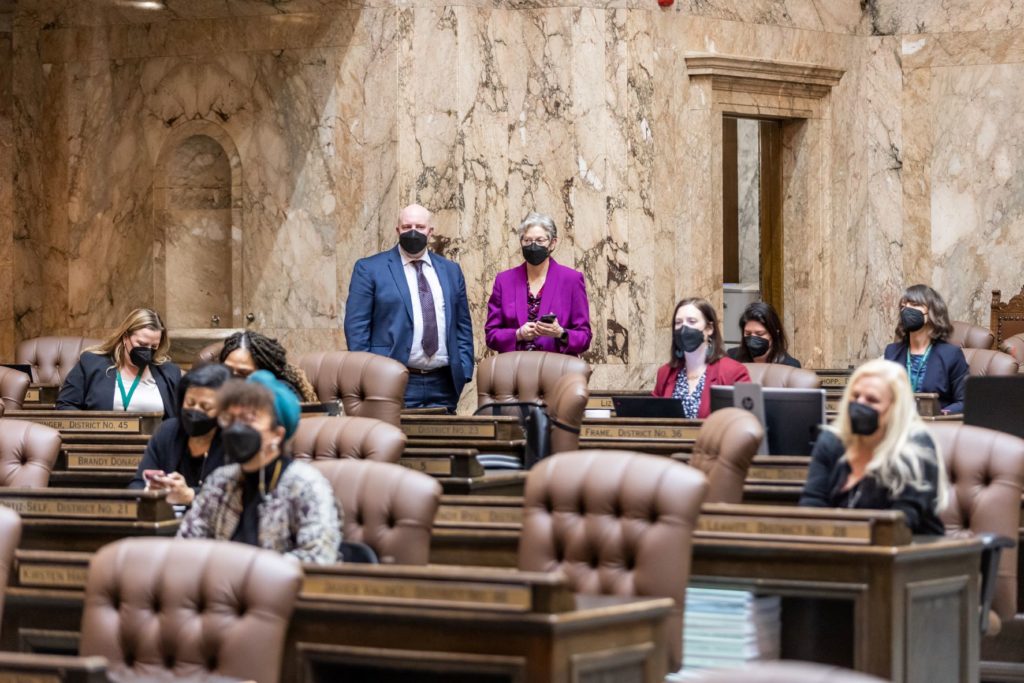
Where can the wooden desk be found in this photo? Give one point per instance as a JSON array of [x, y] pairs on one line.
[[399, 623], [485, 433], [910, 609], [86, 519]]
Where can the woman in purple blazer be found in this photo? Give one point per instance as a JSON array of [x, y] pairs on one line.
[[539, 305]]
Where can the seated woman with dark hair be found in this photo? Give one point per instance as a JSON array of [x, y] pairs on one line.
[[185, 449], [261, 496], [698, 361], [932, 364], [764, 339], [878, 455], [246, 352]]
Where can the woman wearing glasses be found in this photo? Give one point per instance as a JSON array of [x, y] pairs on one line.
[[539, 305]]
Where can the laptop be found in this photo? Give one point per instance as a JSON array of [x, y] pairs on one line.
[[647, 406], [996, 403]]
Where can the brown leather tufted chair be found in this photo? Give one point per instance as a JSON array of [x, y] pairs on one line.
[[971, 336], [13, 387], [360, 438], [785, 672], [388, 507], [368, 385], [567, 403], [1014, 346], [10, 536], [524, 375], [162, 609], [986, 475], [989, 363], [52, 358], [782, 376], [726, 445], [210, 353], [616, 523], [28, 452]]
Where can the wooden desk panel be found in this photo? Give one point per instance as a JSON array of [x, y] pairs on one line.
[[92, 421]]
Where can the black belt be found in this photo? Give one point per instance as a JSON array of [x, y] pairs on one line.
[[418, 371]]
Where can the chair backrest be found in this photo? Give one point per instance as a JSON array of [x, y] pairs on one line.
[[367, 384], [989, 363], [361, 438], [784, 672], [524, 375], [52, 358], [986, 474], [13, 387], [780, 376], [210, 353], [971, 336], [10, 537], [1007, 317], [726, 445], [388, 507], [616, 523], [567, 404], [1015, 347], [159, 609], [28, 452]]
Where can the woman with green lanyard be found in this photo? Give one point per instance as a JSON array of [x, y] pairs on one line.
[[130, 371], [933, 365]]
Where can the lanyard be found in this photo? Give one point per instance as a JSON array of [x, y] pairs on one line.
[[127, 398], [916, 378]]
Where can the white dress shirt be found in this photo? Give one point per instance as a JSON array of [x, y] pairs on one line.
[[418, 359], [146, 399]]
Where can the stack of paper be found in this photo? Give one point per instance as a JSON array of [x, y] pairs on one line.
[[726, 628]]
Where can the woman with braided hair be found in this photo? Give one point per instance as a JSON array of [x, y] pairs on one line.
[[246, 352]]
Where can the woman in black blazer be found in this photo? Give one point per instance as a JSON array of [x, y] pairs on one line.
[[764, 339], [130, 371], [185, 449], [933, 365]]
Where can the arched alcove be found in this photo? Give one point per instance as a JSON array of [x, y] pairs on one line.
[[196, 203]]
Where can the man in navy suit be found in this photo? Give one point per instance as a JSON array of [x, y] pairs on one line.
[[410, 304]]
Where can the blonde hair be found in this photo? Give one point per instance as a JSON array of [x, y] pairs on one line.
[[139, 319], [898, 460]]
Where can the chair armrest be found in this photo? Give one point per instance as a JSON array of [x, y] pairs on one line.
[[991, 552], [356, 552]]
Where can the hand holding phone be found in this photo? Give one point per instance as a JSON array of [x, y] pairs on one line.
[[155, 479], [549, 318]]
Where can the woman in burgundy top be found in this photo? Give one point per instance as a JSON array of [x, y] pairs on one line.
[[698, 360]]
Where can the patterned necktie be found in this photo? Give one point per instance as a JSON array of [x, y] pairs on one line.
[[429, 314]]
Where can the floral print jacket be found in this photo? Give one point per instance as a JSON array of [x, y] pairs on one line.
[[299, 517]]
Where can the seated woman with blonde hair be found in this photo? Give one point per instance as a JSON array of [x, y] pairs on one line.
[[878, 455]]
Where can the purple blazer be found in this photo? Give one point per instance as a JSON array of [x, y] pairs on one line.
[[564, 294]]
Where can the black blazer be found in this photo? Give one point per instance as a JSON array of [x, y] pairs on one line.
[[741, 354], [829, 471], [167, 450], [946, 373], [90, 385]]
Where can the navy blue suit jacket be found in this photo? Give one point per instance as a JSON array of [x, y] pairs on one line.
[[945, 374], [378, 314], [90, 385]]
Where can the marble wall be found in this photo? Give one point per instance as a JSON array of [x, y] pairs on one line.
[[748, 167], [333, 114], [6, 189]]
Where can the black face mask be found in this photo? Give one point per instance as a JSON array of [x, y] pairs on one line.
[[688, 340], [756, 346], [863, 419], [911, 319], [141, 356], [241, 443], [196, 422], [412, 241], [535, 254]]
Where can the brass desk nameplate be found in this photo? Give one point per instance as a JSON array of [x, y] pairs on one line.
[[784, 529], [127, 425], [639, 432], [600, 403], [25, 677], [510, 516], [834, 379], [52, 575], [104, 461], [797, 475], [437, 467], [422, 592], [33, 395], [92, 508], [458, 430]]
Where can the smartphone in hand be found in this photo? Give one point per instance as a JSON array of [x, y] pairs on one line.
[[155, 478], [549, 318]]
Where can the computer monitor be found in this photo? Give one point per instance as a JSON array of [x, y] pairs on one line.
[[647, 406], [996, 403], [793, 417]]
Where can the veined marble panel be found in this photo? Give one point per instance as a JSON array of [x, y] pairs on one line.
[[748, 162], [976, 185], [7, 170], [929, 16], [962, 49]]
